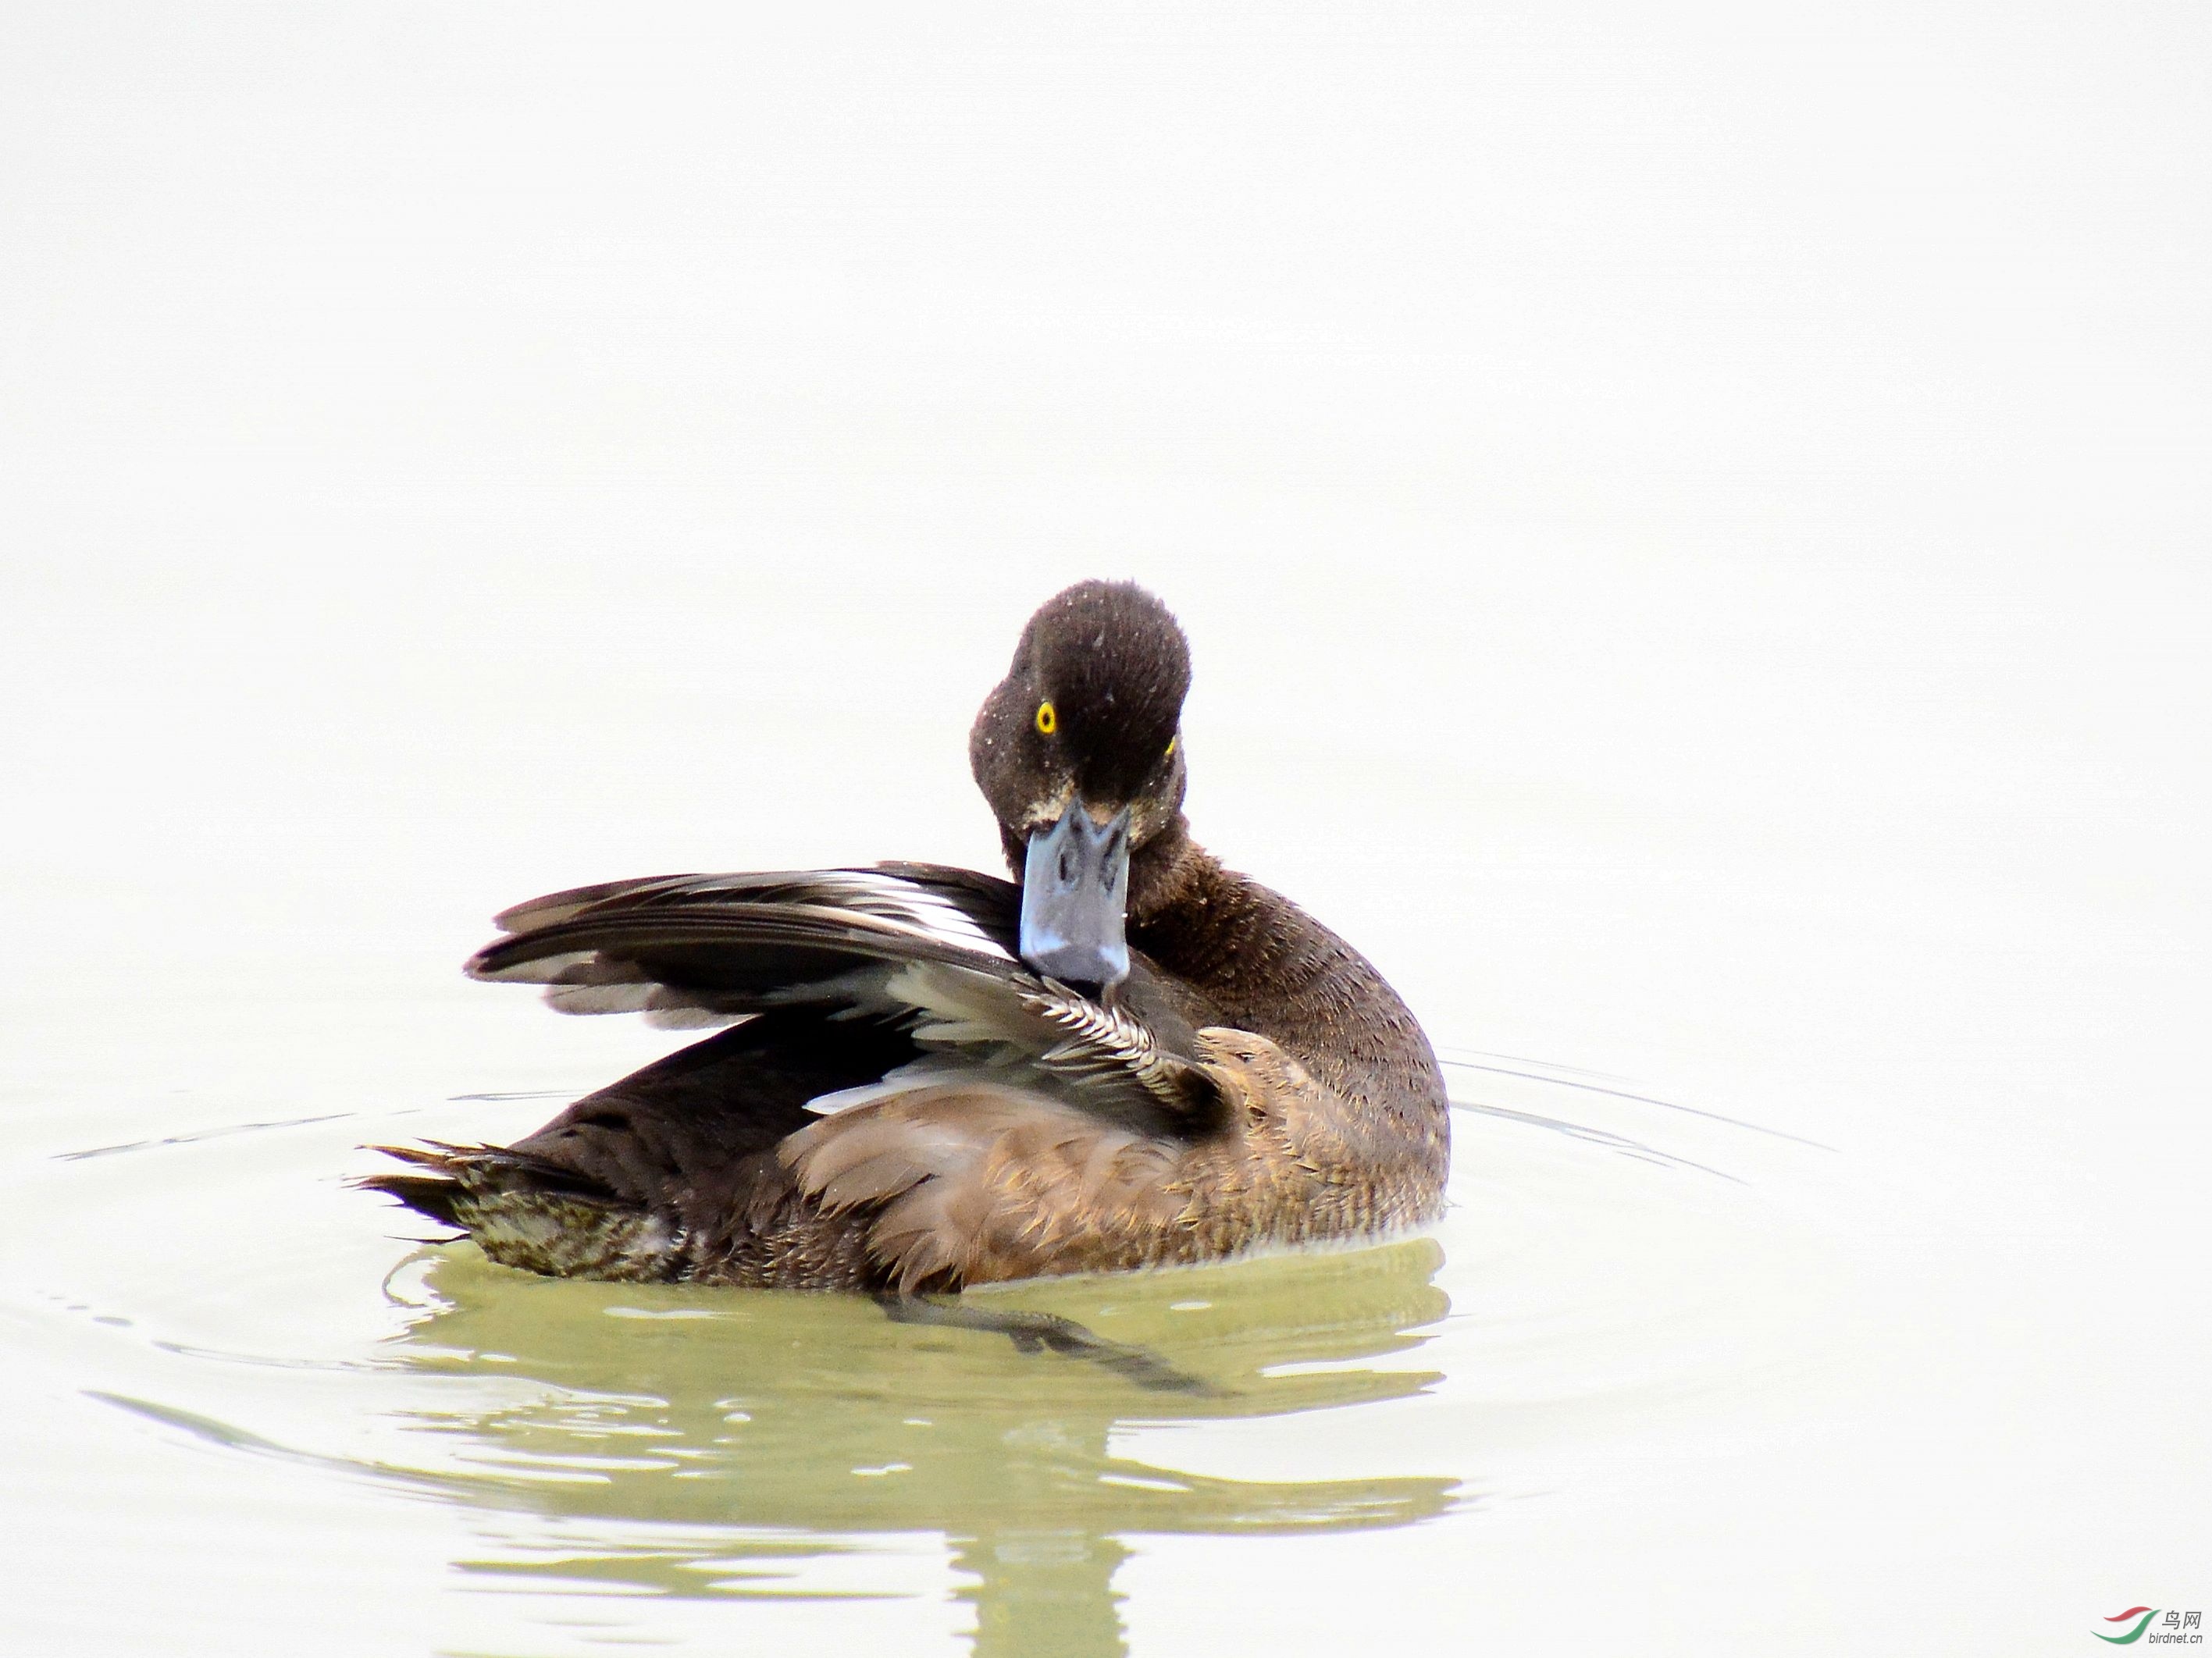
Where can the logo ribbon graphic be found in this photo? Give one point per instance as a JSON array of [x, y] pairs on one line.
[[2134, 1634]]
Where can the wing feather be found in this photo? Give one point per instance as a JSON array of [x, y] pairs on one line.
[[929, 948]]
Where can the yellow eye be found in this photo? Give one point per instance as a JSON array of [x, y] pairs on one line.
[[1048, 721], [1170, 754]]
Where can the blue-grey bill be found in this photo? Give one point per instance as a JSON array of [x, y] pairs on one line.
[[1075, 896]]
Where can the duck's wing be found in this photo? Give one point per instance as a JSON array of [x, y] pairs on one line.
[[931, 948], [703, 949]]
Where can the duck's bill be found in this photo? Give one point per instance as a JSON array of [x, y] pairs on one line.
[[1075, 896]]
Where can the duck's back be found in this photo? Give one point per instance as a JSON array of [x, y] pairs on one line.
[[671, 1172]]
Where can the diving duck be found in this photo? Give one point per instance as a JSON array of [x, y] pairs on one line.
[[1128, 1056]]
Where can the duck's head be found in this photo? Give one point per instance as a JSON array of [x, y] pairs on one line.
[[1077, 752]]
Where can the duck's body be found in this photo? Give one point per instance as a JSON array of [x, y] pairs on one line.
[[911, 1102]]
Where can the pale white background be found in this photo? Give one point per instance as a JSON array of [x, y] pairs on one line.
[[1692, 521]]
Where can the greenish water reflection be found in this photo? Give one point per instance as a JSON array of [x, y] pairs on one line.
[[732, 1431]]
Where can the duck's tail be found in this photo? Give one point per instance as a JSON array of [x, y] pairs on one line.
[[533, 1214]]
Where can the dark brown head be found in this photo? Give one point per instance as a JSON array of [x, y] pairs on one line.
[[1088, 713]]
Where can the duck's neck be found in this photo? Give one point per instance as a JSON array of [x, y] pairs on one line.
[[1168, 871]]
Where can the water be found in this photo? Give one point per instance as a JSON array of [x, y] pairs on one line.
[[602, 1463], [1692, 528], [1895, 1290]]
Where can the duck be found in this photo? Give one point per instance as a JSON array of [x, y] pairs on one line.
[[924, 1078]]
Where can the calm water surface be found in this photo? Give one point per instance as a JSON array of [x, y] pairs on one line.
[[1823, 1270], [251, 1355]]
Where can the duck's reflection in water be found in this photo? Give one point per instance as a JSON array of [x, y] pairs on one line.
[[736, 1435]]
